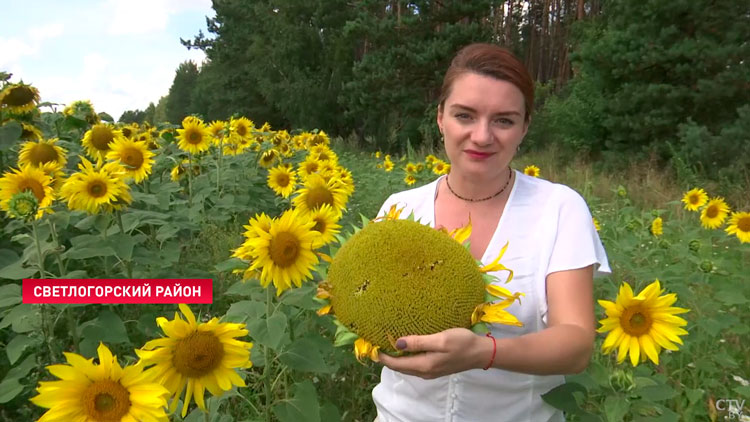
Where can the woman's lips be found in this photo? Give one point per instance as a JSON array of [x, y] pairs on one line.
[[477, 155]]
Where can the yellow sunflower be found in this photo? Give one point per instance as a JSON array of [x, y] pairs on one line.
[[134, 157], [37, 154], [317, 192], [388, 166], [410, 179], [242, 127], [285, 254], [194, 137], [323, 154], [30, 132], [325, 218], [308, 167], [19, 98], [98, 140], [531, 170], [268, 158], [320, 138], [714, 213], [657, 226], [282, 180], [739, 225], [196, 356], [180, 170], [430, 160], [129, 131], [31, 179], [218, 130], [107, 392], [440, 167], [597, 226], [95, 189], [694, 199], [641, 325], [410, 168], [261, 223]]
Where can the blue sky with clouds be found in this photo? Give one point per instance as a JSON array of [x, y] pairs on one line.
[[120, 54]]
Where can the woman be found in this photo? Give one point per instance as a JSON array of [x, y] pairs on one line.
[[457, 375]]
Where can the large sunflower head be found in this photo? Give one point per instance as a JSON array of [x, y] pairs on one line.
[[285, 253], [282, 180], [694, 199], [317, 192], [194, 137], [657, 226], [27, 179], [714, 213], [739, 225], [219, 130], [323, 153], [320, 138], [38, 153], [19, 98], [641, 325], [308, 167], [398, 277], [196, 356], [105, 392], [96, 188], [134, 156], [98, 140]]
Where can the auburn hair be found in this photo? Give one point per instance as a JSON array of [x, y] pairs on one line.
[[493, 61]]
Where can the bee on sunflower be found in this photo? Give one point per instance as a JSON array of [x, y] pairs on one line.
[[395, 267]]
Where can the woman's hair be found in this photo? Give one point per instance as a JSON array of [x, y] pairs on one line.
[[493, 61]]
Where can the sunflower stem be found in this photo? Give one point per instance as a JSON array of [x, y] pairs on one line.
[[53, 230], [39, 257], [207, 414], [190, 180], [267, 375], [218, 165]]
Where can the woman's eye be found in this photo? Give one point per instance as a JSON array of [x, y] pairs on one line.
[[504, 122], [462, 116]]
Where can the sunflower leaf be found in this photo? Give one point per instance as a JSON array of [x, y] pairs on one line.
[[303, 407], [271, 331]]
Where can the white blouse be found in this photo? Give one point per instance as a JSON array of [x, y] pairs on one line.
[[549, 228]]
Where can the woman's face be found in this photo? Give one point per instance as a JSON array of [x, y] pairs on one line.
[[482, 121]]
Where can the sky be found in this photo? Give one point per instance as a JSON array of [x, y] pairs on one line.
[[119, 54]]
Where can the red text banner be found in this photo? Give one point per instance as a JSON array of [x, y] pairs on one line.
[[95, 290]]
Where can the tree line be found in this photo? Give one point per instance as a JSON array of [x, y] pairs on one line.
[[615, 77]]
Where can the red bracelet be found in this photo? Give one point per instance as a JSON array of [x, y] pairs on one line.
[[494, 350]]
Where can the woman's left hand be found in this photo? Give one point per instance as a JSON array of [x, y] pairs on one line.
[[443, 353]]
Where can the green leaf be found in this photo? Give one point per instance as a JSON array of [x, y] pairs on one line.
[[271, 331], [302, 297], [22, 319], [657, 392], [123, 243], [20, 371], [615, 408], [9, 389], [305, 355], [303, 407], [329, 412], [246, 310], [230, 264], [7, 257], [17, 271], [743, 390], [731, 297], [561, 397], [17, 345], [76, 252], [106, 117], [10, 294], [107, 328], [166, 231], [10, 133]]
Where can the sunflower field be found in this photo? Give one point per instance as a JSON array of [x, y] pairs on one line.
[[263, 212]]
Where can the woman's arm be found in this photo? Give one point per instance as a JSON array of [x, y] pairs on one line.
[[564, 347]]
